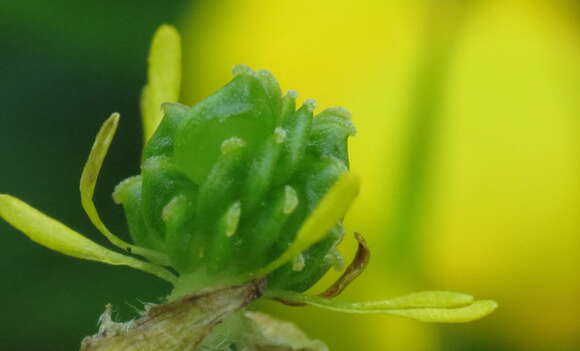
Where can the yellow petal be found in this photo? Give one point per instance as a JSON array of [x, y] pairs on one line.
[[56, 236], [329, 211], [164, 77], [88, 182]]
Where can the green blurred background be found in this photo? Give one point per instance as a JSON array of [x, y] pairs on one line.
[[468, 145]]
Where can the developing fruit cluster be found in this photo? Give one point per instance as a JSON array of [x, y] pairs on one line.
[[226, 184]]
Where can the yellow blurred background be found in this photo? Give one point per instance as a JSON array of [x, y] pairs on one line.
[[468, 145]]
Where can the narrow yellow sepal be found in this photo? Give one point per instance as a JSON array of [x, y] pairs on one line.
[[164, 77], [329, 211], [58, 237], [427, 306], [90, 175], [88, 182], [422, 299], [475, 311]]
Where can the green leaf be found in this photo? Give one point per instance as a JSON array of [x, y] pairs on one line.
[[164, 77], [56, 236]]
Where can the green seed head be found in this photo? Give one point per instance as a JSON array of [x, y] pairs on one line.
[[239, 192], [226, 184]]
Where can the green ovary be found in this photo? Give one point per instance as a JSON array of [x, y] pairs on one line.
[[225, 185]]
